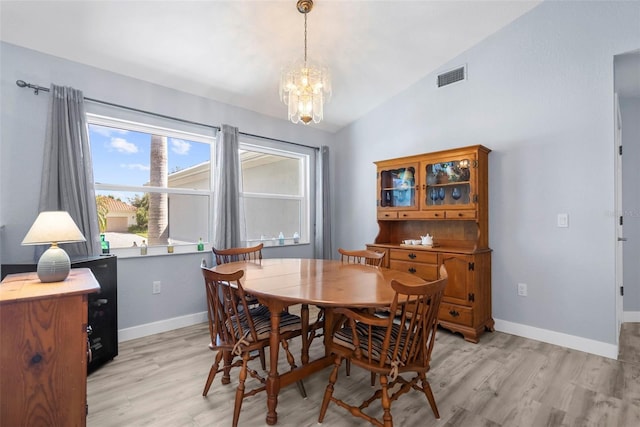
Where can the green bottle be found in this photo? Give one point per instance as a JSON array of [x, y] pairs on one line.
[[200, 245]]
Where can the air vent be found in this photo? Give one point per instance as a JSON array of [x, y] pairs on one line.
[[452, 76]]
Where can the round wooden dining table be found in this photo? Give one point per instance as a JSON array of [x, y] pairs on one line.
[[282, 282]]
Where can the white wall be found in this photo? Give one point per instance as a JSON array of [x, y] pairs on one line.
[[23, 122], [540, 95]]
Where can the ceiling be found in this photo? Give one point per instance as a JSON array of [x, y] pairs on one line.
[[232, 51]]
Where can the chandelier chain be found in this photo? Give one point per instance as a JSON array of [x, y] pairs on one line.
[[305, 39]]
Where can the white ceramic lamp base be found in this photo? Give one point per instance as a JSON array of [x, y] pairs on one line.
[[53, 265]]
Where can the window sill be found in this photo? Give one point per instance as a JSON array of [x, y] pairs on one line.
[[155, 251]]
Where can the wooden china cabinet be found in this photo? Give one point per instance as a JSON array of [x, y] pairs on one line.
[[444, 194]]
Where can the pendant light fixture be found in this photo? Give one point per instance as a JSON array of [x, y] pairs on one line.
[[305, 85]]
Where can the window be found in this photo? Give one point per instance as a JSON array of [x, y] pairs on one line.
[[152, 183], [275, 190]]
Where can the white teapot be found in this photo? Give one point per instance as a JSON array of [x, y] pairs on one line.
[[427, 240]]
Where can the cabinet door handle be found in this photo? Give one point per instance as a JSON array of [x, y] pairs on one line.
[[454, 313], [412, 270], [412, 255]]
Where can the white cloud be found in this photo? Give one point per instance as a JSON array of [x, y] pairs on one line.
[[123, 146], [108, 132], [135, 166], [179, 146]]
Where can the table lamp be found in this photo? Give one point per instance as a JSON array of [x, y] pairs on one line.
[[53, 227]]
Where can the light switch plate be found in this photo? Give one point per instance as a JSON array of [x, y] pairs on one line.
[[563, 220]]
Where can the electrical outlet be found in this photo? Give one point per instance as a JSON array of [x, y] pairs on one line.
[[522, 289], [563, 220], [156, 287]]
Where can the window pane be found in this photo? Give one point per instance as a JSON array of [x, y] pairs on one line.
[[266, 218], [124, 218], [125, 157], [270, 174]]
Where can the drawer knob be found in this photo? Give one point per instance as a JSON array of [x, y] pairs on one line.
[[412, 255], [454, 313], [436, 214], [412, 270], [37, 358]]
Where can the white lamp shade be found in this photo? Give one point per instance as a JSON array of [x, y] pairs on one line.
[[53, 227]]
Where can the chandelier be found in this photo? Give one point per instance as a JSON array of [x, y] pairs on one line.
[[305, 85]]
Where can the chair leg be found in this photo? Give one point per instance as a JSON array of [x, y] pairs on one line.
[[329, 390], [426, 387], [292, 364], [386, 402], [212, 373], [240, 390], [373, 379], [263, 359], [226, 372], [347, 367]]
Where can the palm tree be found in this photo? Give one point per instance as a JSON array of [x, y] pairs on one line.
[[158, 202], [101, 205]]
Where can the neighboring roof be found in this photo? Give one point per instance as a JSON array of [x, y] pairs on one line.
[[114, 205]]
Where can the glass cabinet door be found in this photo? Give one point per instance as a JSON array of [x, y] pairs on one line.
[[449, 183], [398, 187]]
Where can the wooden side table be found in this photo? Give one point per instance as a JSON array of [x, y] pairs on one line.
[[43, 349]]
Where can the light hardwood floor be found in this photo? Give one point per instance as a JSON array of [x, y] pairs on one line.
[[504, 380]]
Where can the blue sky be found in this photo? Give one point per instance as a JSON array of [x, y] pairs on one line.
[[122, 157]]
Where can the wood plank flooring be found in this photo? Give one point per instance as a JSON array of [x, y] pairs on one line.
[[504, 380]]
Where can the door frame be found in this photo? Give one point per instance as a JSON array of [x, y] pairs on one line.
[[618, 216]]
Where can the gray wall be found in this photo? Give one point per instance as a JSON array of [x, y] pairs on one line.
[[630, 109], [22, 129], [540, 95]]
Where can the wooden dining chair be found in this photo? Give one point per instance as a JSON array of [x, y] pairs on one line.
[[390, 347], [238, 330], [361, 256], [254, 254], [225, 256]]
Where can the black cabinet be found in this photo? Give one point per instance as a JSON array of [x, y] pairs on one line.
[[103, 309], [103, 306]]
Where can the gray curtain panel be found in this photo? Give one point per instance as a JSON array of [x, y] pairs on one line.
[[226, 190], [325, 195], [67, 172]]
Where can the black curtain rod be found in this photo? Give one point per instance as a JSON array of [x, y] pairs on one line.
[[37, 89]]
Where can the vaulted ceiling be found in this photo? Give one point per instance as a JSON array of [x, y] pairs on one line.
[[232, 51]]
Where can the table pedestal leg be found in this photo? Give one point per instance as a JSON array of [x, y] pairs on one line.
[[273, 380], [304, 319]]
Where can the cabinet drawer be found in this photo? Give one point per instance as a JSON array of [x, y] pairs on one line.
[[387, 215], [413, 215], [414, 256], [433, 214], [461, 214], [456, 314], [426, 272]]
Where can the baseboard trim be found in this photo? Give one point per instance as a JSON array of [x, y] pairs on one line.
[[147, 329], [631, 317], [558, 338]]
